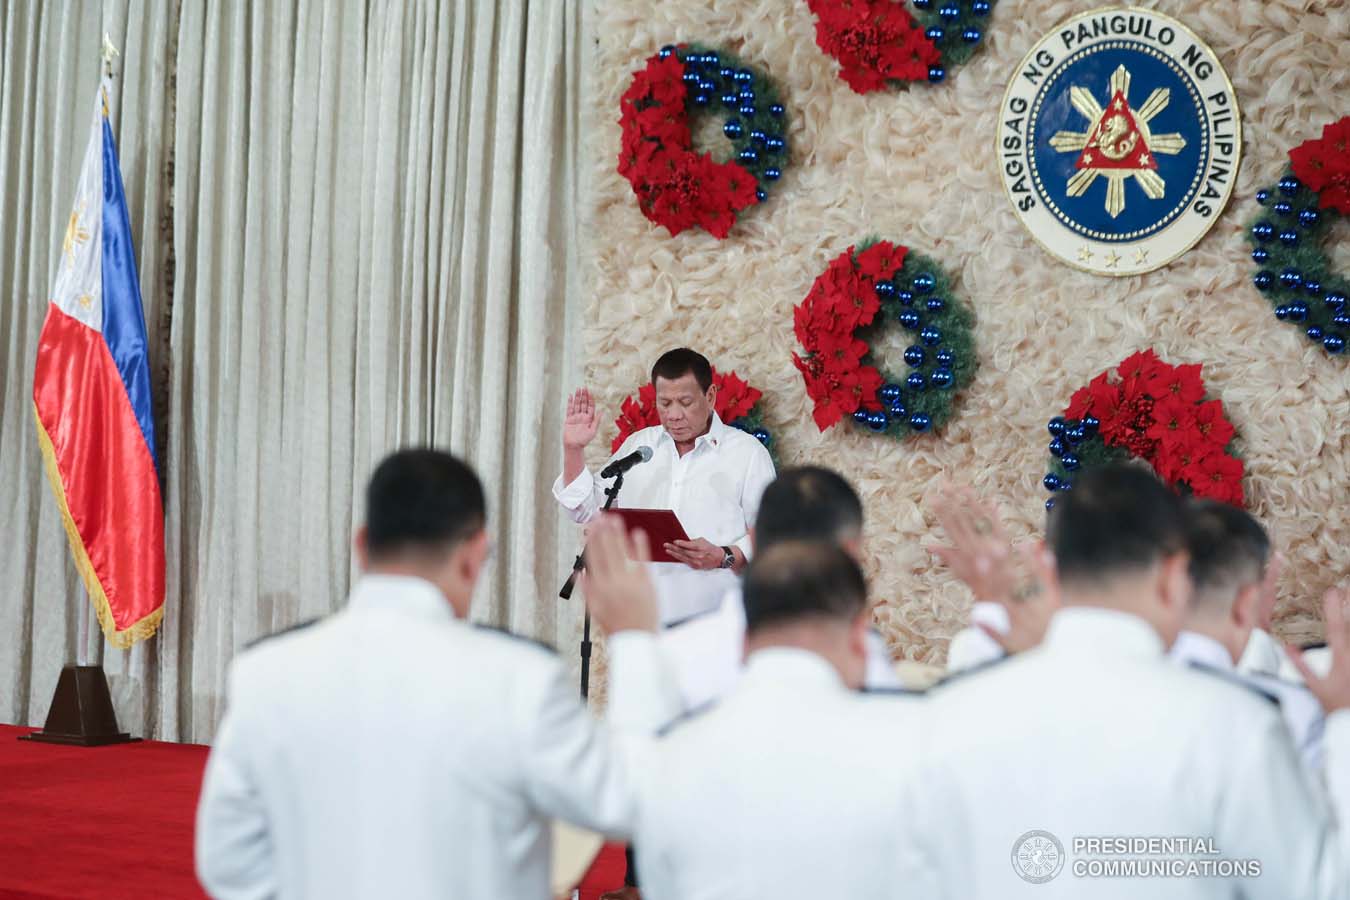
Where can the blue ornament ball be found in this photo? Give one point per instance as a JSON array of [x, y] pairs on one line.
[[733, 129], [1283, 207], [727, 73], [746, 110], [1334, 299], [1057, 446], [1051, 481], [1049, 504], [712, 59], [884, 289], [776, 110], [1309, 217], [1075, 434], [971, 35], [935, 33], [1263, 280], [1341, 321], [916, 381], [730, 101], [924, 282], [667, 50], [1289, 237], [1263, 231], [1262, 196], [1070, 462], [1314, 333], [1282, 312], [920, 421], [981, 7], [1289, 185], [860, 416], [1291, 278], [760, 195], [773, 173], [1312, 286], [1090, 425], [747, 97], [922, 4], [1298, 311], [909, 319], [889, 393], [915, 355], [942, 378], [1065, 484], [898, 410], [1334, 342], [702, 99], [745, 76], [758, 138], [763, 436], [904, 297], [1056, 426], [945, 357], [749, 156], [936, 304], [878, 420], [949, 12], [936, 73], [690, 77], [931, 335], [1260, 255], [776, 144]]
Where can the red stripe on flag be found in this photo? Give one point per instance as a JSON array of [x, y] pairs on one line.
[[107, 482]]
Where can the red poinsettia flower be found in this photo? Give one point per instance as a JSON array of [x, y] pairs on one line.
[[881, 261], [1174, 424], [873, 41], [1323, 164], [635, 415], [1180, 382], [735, 398], [1136, 368], [1217, 476], [1212, 424]]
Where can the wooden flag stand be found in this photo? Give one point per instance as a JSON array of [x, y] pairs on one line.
[[81, 713]]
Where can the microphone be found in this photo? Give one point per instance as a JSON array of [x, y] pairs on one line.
[[619, 466]]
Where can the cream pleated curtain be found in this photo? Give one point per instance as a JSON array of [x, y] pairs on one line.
[[357, 230]]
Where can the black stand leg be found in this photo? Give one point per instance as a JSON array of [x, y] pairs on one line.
[[565, 593]]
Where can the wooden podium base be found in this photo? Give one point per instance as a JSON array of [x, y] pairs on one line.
[[81, 713]]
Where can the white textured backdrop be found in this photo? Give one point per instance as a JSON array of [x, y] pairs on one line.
[[916, 165]]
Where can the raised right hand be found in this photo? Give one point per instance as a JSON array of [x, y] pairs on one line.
[[582, 421]]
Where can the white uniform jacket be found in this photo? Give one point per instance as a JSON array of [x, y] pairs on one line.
[[791, 788], [1096, 734], [393, 750]]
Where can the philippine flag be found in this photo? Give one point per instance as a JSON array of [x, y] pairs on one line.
[[91, 396]]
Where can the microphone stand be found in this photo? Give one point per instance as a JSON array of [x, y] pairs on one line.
[[611, 493]]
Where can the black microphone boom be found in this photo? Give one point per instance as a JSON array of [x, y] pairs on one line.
[[640, 455]]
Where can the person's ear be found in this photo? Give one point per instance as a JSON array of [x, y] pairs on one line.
[[1174, 583], [360, 543], [473, 557], [853, 546], [711, 395], [857, 632]]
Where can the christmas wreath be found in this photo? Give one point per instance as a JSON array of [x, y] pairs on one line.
[[878, 43], [1287, 236], [676, 186], [1153, 411], [859, 293], [736, 403]]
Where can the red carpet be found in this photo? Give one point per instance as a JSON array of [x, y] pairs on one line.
[[106, 823]]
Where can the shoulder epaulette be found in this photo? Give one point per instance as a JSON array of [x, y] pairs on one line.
[[892, 691], [968, 672], [685, 718], [1234, 679], [282, 633], [497, 629]]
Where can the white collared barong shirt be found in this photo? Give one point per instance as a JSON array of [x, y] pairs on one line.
[[714, 490]]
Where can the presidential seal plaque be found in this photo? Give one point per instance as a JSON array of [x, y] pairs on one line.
[[1118, 140]]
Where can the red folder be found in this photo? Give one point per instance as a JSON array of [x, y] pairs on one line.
[[661, 525]]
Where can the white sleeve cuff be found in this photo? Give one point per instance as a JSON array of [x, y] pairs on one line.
[[574, 496]]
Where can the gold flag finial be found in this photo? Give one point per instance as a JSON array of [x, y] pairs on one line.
[[109, 51]]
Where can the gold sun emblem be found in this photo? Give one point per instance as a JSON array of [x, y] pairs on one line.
[[75, 235], [1119, 145]]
